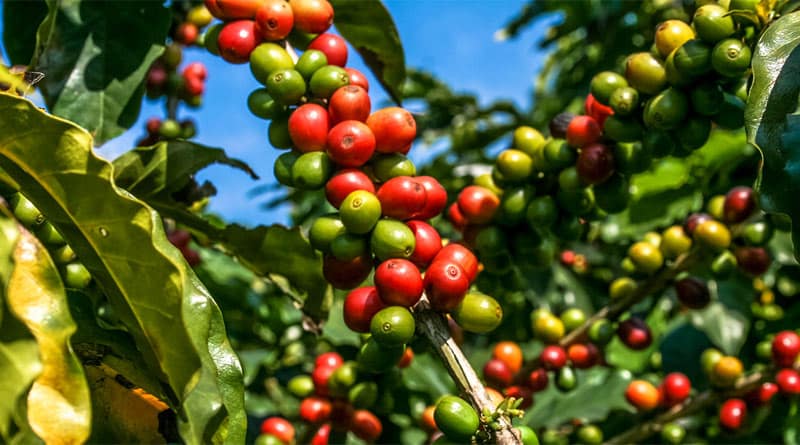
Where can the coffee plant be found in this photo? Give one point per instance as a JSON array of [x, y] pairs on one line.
[[614, 265]]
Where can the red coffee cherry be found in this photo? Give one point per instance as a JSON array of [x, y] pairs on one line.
[[788, 381], [635, 333], [520, 392], [460, 255], [346, 274], [582, 356], [350, 143], [399, 282], [350, 102], [583, 130], [322, 435], [785, 348], [455, 217], [186, 33], [478, 204], [753, 260], [692, 293], [740, 202], [153, 125], [274, 20], [597, 110], [195, 70], [237, 40], [763, 395], [344, 182], [365, 425], [312, 16], [553, 357], [428, 243], [233, 9], [320, 375], [315, 409], [445, 285], [278, 427], [643, 395], [402, 197], [328, 359], [194, 86], [360, 306], [595, 163], [436, 197], [394, 129], [333, 46], [497, 374], [538, 379], [406, 359], [308, 128], [732, 414], [676, 388], [357, 78]]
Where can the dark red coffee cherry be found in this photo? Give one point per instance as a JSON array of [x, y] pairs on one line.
[[333, 46], [635, 333], [595, 163], [553, 357], [497, 374], [559, 124], [740, 202], [692, 293], [753, 260]]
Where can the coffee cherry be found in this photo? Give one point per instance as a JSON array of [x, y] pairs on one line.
[[456, 418], [311, 170], [478, 313], [675, 242], [582, 356], [274, 20], [726, 371], [595, 163], [346, 274], [394, 129], [740, 203], [261, 104], [692, 59], [392, 239], [666, 110], [509, 353], [326, 80], [642, 395], [709, 359], [788, 381], [604, 84], [360, 306], [333, 46], [558, 155], [732, 414], [548, 328], [671, 34], [349, 246], [583, 130], [308, 127], [559, 124], [753, 260], [365, 425], [538, 379], [731, 58], [566, 380], [601, 332], [322, 435], [350, 143], [553, 357], [349, 103], [762, 395], [402, 197], [692, 293], [427, 243], [315, 409], [384, 167], [278, 427], [757, 233], [694, 220], [497, 374], [357, 78], [435, 197], [237, 40], [712, 23], [785, 348], [446, 284], [514, 165], [645, 73], [713, 234], [344, 182], [635, 334], [461, 256], [360, 211], [646, 257], [376, 358], [590, 435], [624, 101], [392, 326], [478, 204], [676, 388], [398, 282], [312, 16]]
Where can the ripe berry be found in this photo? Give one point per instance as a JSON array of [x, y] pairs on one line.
[[582, 356], [195, 70], [460, 255], [559, 124], [357, 78], [553, 357], [692, 293], [350, 143], [322, 435], [446, 283], [785, 348], [398, 282], [643, 395], [788, 381], [763, 394], [365, 425], [478, 204], [312, 16], [186, 33], [315, 409], [401, 197], [676, 388], [509, 353], [350, 102], [394, 129], [274, 20], [455, 217], [237, 40], [753, 260], [308, 128], [635, 333], [345, 182], [497, 374], [346, 274], [595, 163], [732, 414], [538, 379], [278, 427], [583, 130], [427, 243], [436, 197], [333, 46], [360, 306]]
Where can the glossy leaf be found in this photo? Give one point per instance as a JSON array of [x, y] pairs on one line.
[[59, 410], [336, 332], [427, 375], [19, 365], [176, 325], [369, 27], [95, 56], [726, 328], [20, 20], [771, 117]]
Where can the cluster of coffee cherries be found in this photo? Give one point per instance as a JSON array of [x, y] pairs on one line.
[[335, 399], [73, 272], [166, 80]]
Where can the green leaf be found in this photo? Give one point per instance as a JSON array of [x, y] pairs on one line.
[[336, 332], [771, 120], [59, 410], [426, 374], [168, 167], [175, 323], [19, 365], [95, 56], [369, 27], [726, 328], [554, 408], [20, 20]]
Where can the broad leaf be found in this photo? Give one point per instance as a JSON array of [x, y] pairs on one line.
[[426, 374], [176, 325], [20, 20], [95, 55], [726, 328], [369, 27], [19, 366], [771, 117], [336, 332], [59, 410]]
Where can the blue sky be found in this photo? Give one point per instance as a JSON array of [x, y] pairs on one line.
[[452, 39]]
